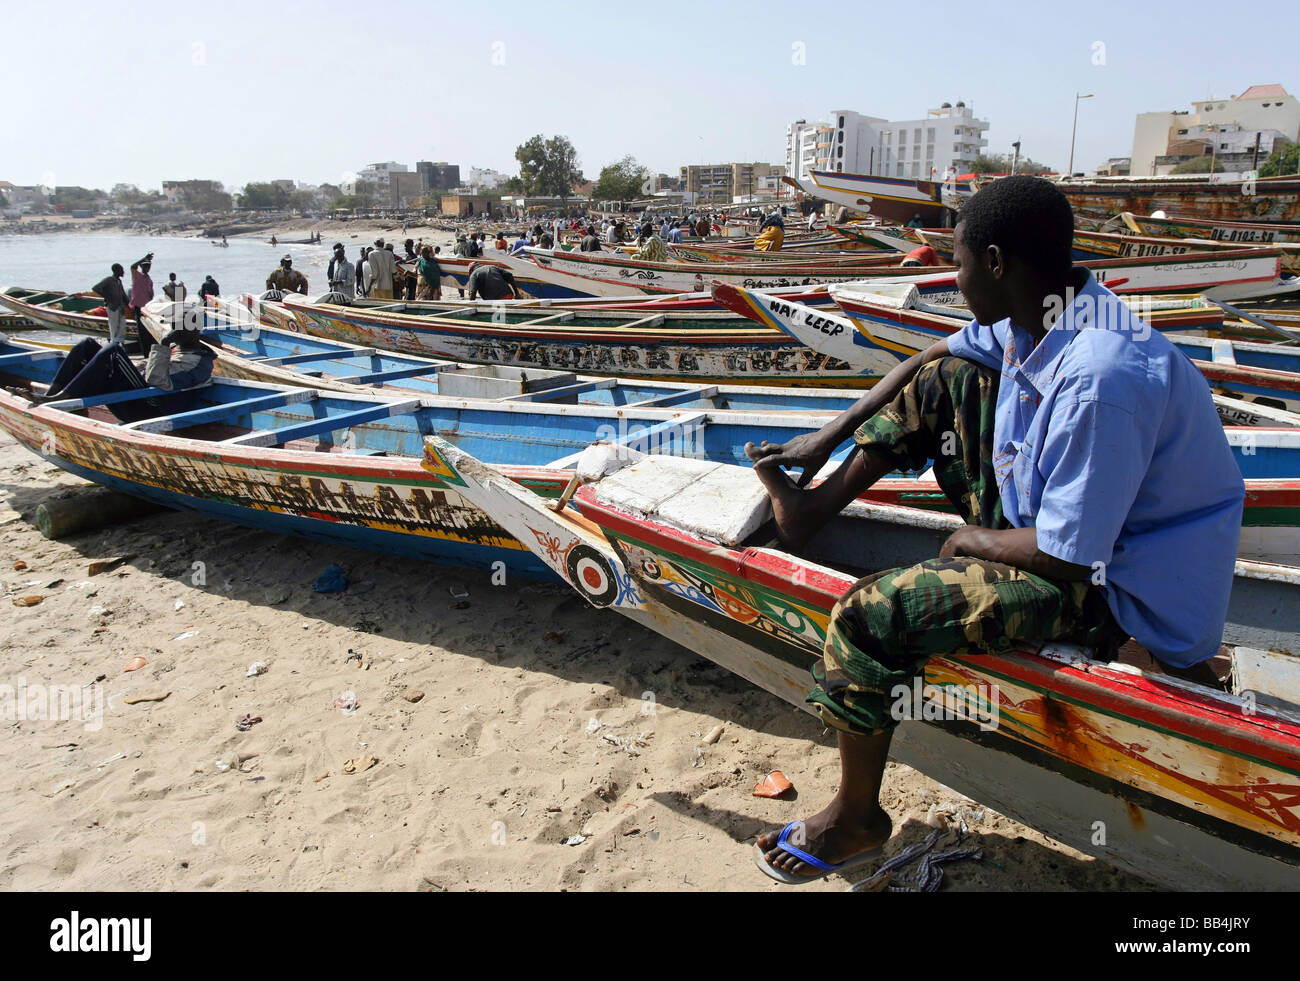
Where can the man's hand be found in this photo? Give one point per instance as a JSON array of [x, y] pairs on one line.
[[957, 543], [808, 451]]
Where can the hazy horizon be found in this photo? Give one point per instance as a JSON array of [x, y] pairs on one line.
[[314, 92]]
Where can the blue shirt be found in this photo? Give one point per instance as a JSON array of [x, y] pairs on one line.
[[675, 236], [1106, 441]]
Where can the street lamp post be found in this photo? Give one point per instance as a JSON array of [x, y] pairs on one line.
[[880, 152], [1073, 129]]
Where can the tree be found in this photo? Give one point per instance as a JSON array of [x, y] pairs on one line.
[[1198, 165], [73, 198], [621, 181], [1279, 162], [350, 202], [1000, 163], [549, 167], [214, 198], [513, 185], [264, 196]]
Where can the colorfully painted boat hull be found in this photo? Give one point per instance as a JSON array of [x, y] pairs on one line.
[[1192, 788]]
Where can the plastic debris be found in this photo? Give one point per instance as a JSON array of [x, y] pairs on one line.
[[332, 580], [714, 734], [135, 664], [574, 840], [459, 592], [29, 600], [107, 565], [179, 605], [359, 763], [928, 876], [247, 722], [773, 785], [256, 668], [347, 702], [187, 635], [593, 724]]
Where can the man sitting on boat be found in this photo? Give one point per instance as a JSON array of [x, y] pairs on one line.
[[1083, 450]]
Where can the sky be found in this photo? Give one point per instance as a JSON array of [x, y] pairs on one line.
[[244, 91]]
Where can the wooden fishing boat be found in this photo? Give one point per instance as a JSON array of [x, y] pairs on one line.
[[1192, 787], [665, 346], [1272, 200], [56, 310], [895, 322], [1228, 232], [1269, 454], [897, 199], [621, 272], [1090, 246], [345, 467]]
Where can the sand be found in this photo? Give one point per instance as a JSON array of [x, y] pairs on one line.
[[534, 730]]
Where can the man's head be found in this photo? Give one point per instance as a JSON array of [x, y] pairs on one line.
[[338, 249], [379, 243], [1012, 235], [118, 270], [171, 277], [286, 261], [473, 266]]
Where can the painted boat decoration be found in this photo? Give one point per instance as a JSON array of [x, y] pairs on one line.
[[1201, 229], [1270, 200], [1197, 788]]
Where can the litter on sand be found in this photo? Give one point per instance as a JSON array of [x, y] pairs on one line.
[[927, 877], [332, 580], [773, 785], [347, 702], [359, 763], [247, 722]]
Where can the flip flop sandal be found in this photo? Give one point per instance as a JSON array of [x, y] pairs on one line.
[[824, 868]]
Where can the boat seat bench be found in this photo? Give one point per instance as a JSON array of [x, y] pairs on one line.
[[324, 424]]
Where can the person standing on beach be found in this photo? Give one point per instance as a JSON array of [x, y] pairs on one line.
[[141, 293], [490, 282], [590, 243], [383, 269], [286, 279], [409, 275], [341, 273], [1101, 498], [363, 272], [113, 293], [430, 284]]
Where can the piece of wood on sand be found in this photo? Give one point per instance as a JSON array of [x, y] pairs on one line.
[[88, 509]]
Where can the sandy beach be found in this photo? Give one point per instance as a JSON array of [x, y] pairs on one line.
[[542, 721]]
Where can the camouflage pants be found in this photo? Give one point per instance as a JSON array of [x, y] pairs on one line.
[[885, 628]]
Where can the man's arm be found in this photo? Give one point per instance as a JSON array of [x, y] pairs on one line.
[[812, 450], [1016, 547]]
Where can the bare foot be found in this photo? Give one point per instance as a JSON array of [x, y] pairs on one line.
[[831, 835], [788, 506]]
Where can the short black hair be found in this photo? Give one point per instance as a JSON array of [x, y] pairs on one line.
[[1026, 217]]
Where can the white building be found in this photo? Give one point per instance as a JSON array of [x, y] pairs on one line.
[[377, 175], [485, 179], [948, 138], [1266, 110]]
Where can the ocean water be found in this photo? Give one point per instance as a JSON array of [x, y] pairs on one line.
[[74, 262]]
